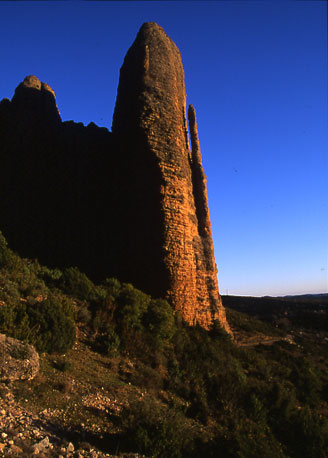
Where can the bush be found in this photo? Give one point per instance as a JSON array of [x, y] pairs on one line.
[[8, 258], [148, 378], [54, 326], [83, 314], [198, 406], [113, 287], [132, 304], [76, 283], [307, 436], [48, 324], [158, 321], [256, 409], [14, 321], [3, 250], [282, 403], [157, 431], [306, 380], [50, 276], [9, 291], [108, 341]]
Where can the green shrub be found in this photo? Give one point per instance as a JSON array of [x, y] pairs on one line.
[[147, 377], [132, 304], [256, 409], [157, 431], [306, 380], [54, 326], [14, 321], [83, 314], [159, 323], [9, 290], [76, 283], [198, 406], [307, 436], [103, 315], [3, 250], [48, 325], [108, 341], [8, 258], [281, 401], [50, 276], [113, 287], [246, 439]]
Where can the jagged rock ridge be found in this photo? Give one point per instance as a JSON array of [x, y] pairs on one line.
[[131, 203]]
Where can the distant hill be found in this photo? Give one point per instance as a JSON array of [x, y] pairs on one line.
[[309, 310], [306, 296]]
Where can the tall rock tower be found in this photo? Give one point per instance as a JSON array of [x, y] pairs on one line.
[[131, 203], [171, 211]]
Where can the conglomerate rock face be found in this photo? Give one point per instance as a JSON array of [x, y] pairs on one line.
[[131, 203], [151, 114]]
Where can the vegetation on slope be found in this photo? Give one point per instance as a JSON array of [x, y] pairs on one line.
[[181, 391]]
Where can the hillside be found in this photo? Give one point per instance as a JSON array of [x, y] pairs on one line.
[[296, 313], [121, 374]]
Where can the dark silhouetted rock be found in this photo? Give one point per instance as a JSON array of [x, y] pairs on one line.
[[131, 203], [35, 101]]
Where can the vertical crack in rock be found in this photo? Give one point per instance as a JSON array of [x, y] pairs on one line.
[[151, 96], [199, 178]]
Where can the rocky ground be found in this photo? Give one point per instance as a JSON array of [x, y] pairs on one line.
[[59, 413], [25, 434]]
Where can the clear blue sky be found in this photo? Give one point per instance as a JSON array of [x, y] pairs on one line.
[[256, 73]]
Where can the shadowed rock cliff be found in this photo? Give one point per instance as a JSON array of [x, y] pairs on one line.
[[131, 203]]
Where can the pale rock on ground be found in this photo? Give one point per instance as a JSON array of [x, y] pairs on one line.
[[18, 360]]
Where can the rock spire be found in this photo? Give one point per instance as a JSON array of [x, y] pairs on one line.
[[131, 203], [150, 114]]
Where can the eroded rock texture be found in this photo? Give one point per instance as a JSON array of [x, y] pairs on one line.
[[130, 204], [151, 114]]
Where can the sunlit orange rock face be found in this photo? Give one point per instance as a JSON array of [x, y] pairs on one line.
[[150, 115], [131, 203]]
